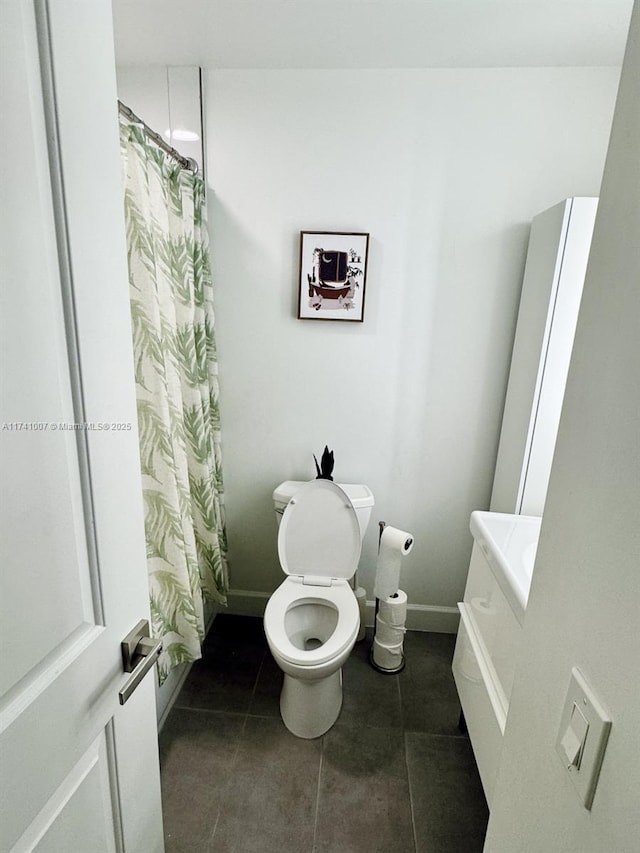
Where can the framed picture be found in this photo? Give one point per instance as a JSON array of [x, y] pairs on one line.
[[333, 274]]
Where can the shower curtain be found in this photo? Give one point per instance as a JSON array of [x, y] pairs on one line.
[[177, 393]]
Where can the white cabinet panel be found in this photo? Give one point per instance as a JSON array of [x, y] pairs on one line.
[[481, 703], [494, 621], [551, 291]]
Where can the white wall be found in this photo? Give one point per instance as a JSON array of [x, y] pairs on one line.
[[445, 168], [585, 598]]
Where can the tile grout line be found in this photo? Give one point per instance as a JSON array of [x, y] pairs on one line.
[[315, 822], [232, 767], [398, 680], [255, 683], [245, 715], [213, 831], [212, 711], [413, 820], [427, 733], [406, 763]]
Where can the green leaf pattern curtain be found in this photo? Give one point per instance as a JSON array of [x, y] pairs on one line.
[[177, 393]]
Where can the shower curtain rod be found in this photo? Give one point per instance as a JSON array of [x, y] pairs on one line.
[[185, 162]]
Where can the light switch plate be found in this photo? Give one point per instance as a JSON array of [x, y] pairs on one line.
[[584, 777]]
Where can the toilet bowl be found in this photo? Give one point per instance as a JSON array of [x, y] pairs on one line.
[[312, 619]]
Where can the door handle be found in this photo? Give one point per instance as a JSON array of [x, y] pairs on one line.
[[139, 653]]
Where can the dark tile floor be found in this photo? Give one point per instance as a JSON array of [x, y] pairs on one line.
[[393, 775]]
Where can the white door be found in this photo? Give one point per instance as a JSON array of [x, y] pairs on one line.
[[79, 772]]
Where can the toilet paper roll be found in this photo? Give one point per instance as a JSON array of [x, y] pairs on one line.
[[394, 545], [387, 657], [361, 597], [388, 635], [393, 609]]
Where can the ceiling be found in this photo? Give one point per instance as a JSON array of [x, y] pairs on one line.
[[370, 33]]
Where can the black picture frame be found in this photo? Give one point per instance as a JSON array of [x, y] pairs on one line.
[[333, 275]]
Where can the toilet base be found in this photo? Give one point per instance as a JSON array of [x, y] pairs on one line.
[[310, 707]]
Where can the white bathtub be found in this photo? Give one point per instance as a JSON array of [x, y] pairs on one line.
[[491, 618]]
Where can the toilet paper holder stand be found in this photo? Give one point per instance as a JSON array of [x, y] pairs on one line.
[[376, 666]]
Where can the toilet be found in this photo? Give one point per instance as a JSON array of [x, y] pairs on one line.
[[312, 619]]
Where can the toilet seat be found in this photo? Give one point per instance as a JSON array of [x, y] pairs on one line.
[[319, 535], [293, 591]]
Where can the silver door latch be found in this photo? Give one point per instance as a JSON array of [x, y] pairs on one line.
[[139, 653]]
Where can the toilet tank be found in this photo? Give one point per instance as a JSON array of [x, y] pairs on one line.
[[360, 496]]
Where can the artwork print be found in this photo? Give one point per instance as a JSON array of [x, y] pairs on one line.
[[333, 269]]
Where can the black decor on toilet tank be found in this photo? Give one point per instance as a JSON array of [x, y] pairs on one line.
[[325, 469]]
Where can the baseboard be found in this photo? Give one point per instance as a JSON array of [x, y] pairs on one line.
[[420, 617], [167, 694], [244, 602], [427, 617]]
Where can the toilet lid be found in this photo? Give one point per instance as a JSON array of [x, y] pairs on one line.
[[319, 533]]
